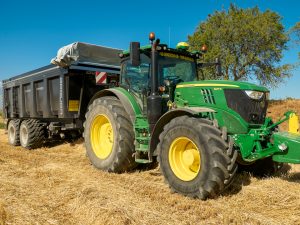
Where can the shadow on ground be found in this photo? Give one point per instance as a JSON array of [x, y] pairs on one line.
[[70, 141]]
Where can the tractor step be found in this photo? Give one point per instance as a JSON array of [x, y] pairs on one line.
[[142, 138], [142, 149], [142, 157], [143, 161]]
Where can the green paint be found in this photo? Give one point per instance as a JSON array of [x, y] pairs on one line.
[[141, 126], [250, 144], [263, 142], [142, 138], [254, 141], [292, 141], [225, 84], [135, 106], [214, 98]]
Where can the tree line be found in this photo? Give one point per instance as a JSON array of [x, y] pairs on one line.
[[250, 44]]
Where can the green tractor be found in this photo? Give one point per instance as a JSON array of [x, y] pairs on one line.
[[199, 131]]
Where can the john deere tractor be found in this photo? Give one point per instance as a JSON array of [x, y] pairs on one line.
[[200, 131]]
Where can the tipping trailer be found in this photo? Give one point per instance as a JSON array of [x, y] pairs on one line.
[[51, 101], [200, 131]]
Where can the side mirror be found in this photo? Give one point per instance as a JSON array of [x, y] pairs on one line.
[[135, 58]]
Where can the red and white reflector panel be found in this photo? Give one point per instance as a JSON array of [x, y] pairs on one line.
[[101, 77]]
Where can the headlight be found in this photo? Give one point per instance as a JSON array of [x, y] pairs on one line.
[[257, 95]]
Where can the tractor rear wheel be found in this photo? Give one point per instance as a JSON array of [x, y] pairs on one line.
[[195, 158], [13, 130], [32, 134], [109, 136]]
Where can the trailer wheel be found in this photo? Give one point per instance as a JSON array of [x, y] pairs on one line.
[[13, 130], [194, 157], [32, 134], [109, 136]]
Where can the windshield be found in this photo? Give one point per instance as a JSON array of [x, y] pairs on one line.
[[173, 67], [179, 68]]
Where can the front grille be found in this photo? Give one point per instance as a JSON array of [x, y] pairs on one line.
[[208, 96], [251, 110]]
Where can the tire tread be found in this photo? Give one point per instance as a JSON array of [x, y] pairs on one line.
[[221, 152]]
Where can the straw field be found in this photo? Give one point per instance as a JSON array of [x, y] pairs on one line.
[[57, 185]]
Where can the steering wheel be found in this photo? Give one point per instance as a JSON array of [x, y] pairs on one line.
[[171, 77]]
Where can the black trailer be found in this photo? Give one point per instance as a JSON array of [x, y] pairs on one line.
[[52, 100]]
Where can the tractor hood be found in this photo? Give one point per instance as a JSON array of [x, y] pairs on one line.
[[223, 84], [234, 101]]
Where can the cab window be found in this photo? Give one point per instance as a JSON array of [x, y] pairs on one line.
[[177, 69], [136, 78]]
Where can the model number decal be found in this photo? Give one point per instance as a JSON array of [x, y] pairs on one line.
[[171, 55]]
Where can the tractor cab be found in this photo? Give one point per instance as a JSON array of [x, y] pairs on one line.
[[173, 66], [176, 65]]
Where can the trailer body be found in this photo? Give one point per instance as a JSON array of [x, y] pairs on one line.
[[58, 96]]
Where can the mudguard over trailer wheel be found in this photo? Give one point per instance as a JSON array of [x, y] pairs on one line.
[[109, 136], [13, 130], [32, 134], [195, 158]]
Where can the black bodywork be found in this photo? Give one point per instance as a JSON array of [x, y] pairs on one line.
[[251, 110], [54, 94]]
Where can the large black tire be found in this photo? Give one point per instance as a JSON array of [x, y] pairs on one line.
[[32, 134], [116, 153], [217, 157], [261, 168], [13, 131]]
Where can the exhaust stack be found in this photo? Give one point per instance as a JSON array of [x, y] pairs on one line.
[[154, 100]]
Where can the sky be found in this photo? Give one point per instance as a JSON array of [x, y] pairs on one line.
[[32, 31]]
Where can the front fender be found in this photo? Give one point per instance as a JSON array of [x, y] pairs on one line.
[[167, 117]]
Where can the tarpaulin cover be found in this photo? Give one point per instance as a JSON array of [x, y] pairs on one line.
[[79, 52]]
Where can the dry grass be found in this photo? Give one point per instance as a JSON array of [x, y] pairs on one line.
[[57, 185], [2, 214], [2, 126], [279, 107]]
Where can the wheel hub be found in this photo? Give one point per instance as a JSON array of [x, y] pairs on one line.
[[11, 134], [184, 158], [190, 157], [102, 136], [23, 135]]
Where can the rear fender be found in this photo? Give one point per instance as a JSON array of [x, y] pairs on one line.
[[127, 100]]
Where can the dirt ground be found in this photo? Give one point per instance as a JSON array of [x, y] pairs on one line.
[[57, 185]]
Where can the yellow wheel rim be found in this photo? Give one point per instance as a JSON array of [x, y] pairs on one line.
[[184, 158], [102, 136]]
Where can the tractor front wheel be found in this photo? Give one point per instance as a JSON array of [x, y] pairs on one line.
[[194, 158]]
